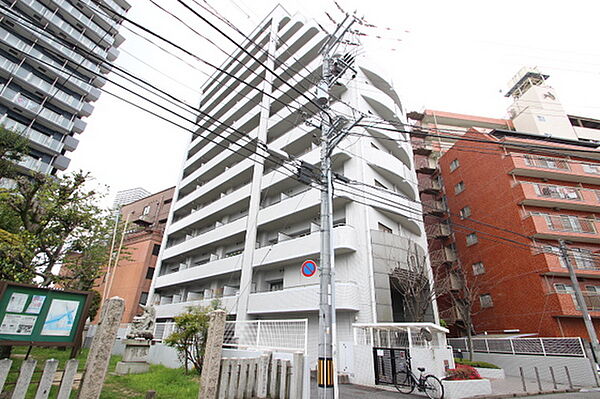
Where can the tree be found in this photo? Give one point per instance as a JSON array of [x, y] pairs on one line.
[[189, 335], [419, 284], [13, 147]]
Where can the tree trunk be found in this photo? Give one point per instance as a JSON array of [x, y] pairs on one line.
[[470, 340]]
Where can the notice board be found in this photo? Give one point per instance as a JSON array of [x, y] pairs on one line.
[[37, 316]]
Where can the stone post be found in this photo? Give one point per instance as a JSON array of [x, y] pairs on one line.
[[212, 355], [100, 351]]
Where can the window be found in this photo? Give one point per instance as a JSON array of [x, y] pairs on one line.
[[276, 285], [146, 210], [149, 273], [472, 239], [143, 298], [459, 188], [485, 301], [155, 250], [465, 212], [379, 184], [384, 228], [563, 288], [478, 268], [168, 201], [454, 165], [593, 289]]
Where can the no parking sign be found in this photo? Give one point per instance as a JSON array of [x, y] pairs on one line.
[[309, 268]]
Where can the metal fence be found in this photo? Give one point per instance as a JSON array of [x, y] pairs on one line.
[[284, 335], [523, 346]]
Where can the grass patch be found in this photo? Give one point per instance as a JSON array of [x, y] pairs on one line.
[[484, 365], [168, 383]]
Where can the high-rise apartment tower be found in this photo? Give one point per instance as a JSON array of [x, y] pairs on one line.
[[52, 57], [241, 214]]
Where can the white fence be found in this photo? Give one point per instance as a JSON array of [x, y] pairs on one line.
[[49, 375], [523, 346], [273, 335]]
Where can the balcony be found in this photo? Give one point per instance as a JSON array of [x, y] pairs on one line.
[[553, 168], [566, 227], [562, 197], [434, 207], [438, 230], [430, 186], [422, 146], [174, 309], [210, 269], [427, 166], [569, 307], [442, 256], [303, 299], [585, 265]]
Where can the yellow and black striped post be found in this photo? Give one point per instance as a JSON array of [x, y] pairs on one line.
[[325, 372]]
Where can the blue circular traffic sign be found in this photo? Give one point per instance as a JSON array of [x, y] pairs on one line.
[[309, 268]]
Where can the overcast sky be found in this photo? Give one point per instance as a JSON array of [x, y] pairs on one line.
[[453, 56]]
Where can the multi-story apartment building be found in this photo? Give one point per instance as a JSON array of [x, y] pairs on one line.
[[536, 118], [131, 278], [53, 54], [242, 224], [125, 197]]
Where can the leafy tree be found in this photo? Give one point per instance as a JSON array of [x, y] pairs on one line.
[[13, 147], [189, 335]]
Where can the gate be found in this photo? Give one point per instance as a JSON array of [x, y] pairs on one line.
[[388, 363]]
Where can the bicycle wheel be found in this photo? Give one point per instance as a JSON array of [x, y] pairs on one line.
[[404, 383], [433, 387]]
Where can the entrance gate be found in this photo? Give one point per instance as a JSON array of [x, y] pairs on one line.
[[388, 363]]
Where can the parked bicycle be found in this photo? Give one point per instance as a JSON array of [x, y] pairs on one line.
[[406, 382]]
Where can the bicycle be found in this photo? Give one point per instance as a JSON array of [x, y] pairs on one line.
[[406, 382]]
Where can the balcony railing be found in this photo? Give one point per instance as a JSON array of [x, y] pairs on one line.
[[558, 192], [570, 224], [546, 163], [440, 256]]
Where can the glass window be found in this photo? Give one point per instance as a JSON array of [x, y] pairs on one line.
[[472, 239], [486, 301], [384, 228], [143, 298], [465, 212], [146, 210], [149, 273], [276, 285], [155, 249], [454, 165], [478, 268], [459, 188]]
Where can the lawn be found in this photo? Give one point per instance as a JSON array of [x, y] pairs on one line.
[[168, 383]]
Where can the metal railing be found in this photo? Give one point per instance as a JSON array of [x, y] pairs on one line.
[[283, 335], [546, 163], [570, 224], [523, 346]]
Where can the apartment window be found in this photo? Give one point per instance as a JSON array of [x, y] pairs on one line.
[[563, 288], [380, 184], [155, 250], [168, 201], [472, 239], [465, 212], [146, 210], [454, 165], [143, 298], [384, 228], [459, 188], [478, 268], [485, 301], [149, 273], [276, 285]]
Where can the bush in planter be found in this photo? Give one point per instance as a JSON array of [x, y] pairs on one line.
[[462, 372], [467, 362]]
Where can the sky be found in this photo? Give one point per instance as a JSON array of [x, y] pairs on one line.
[[454, 56]]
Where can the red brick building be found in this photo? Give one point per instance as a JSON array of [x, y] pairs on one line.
[[132, 277], [511, 189]]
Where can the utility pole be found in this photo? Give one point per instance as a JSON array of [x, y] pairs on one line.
[[587, 319], [332, 132]]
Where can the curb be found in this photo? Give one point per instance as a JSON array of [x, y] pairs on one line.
[[524, 394]]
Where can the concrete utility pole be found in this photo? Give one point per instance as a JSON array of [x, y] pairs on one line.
[[332, 132], [587, 319]]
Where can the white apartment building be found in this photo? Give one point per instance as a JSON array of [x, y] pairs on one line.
[[236, 220]]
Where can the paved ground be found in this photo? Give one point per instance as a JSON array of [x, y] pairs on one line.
[[499, 387]]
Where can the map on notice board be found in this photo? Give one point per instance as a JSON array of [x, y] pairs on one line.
[[61, 318]]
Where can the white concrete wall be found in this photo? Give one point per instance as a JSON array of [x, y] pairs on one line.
[[580, 369]]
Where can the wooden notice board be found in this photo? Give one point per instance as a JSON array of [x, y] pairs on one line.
[[36, 316]]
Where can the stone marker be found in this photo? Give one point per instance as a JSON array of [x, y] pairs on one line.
[[135, 357], [212, 355], [100, 351]]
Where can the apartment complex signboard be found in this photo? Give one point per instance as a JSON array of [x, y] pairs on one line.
[[36, 316]]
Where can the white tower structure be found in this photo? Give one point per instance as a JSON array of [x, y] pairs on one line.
[[242, 223]]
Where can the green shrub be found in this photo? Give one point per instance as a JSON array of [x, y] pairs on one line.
[[484, 365]]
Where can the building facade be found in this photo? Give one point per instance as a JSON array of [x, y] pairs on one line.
[[125, 197], [242, 224], [131, 278], [462, 180], [53, 54]]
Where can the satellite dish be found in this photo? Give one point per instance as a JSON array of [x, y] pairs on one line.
[[426, 334]]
